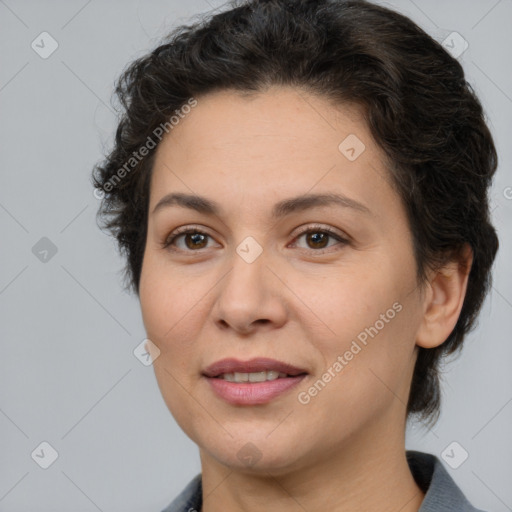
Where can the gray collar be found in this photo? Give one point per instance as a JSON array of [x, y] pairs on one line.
[[441, 492]]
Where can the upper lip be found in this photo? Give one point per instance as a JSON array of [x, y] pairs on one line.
[[258, 364]]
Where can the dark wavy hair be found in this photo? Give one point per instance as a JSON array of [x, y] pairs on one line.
[[416, 102]]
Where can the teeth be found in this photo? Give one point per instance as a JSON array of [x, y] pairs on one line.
[[252, 377]]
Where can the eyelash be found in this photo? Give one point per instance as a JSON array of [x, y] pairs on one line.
[[169, 241]]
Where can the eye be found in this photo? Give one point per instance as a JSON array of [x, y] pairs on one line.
[[193, 238], [317, 237]]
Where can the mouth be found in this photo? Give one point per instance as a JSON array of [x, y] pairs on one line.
[[257, 368], [253, 376], [253, 382]]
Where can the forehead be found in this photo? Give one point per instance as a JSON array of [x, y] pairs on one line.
[[244, 124], [280, 143]]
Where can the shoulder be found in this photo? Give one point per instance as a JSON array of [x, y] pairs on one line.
[[441, 492], [190, 499]]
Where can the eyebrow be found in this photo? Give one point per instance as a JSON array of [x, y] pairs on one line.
[[280, 209]]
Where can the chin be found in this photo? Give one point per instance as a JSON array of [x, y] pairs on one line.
[[257, 454]]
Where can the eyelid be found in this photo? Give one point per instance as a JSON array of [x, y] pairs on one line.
[[189, 228], [313, 228], [309, 228], [320, 227]]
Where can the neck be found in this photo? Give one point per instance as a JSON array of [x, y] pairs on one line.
[[369, 473]]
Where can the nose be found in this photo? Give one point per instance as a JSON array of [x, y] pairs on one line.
[[250, 296]]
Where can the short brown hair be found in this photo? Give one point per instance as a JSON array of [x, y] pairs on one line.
[[418, 106]]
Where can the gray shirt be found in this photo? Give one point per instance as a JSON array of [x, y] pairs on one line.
[[441, 492]]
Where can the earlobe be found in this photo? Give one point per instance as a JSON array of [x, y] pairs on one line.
[[444, 299]]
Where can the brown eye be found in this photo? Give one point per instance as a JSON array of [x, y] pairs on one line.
[[197, 240], [193, 238], [317, 238]]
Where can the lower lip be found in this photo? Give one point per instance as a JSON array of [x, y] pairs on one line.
[[252, 393]]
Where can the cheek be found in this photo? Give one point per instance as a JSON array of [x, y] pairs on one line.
[[168, 316], [153, 303], [366, 338], [366, 375], [166, 300], [344, 302], [174, 308]]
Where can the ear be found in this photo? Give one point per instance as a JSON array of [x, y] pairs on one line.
[[443, 300]]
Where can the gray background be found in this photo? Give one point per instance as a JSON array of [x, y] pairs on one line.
[[68, 375]]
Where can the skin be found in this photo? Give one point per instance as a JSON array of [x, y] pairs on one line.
[[300, 301]]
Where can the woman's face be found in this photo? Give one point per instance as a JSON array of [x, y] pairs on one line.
[[343, 307]]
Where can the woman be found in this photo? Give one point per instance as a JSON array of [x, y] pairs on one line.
[[300, 189]]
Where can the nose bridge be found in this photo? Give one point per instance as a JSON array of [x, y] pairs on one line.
[[247, 280], [249, 292]]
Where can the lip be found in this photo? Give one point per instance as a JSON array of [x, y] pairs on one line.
[[258, 364], [252, 393]]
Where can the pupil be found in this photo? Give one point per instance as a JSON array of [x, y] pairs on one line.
[[318, 238], [196, 237]]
